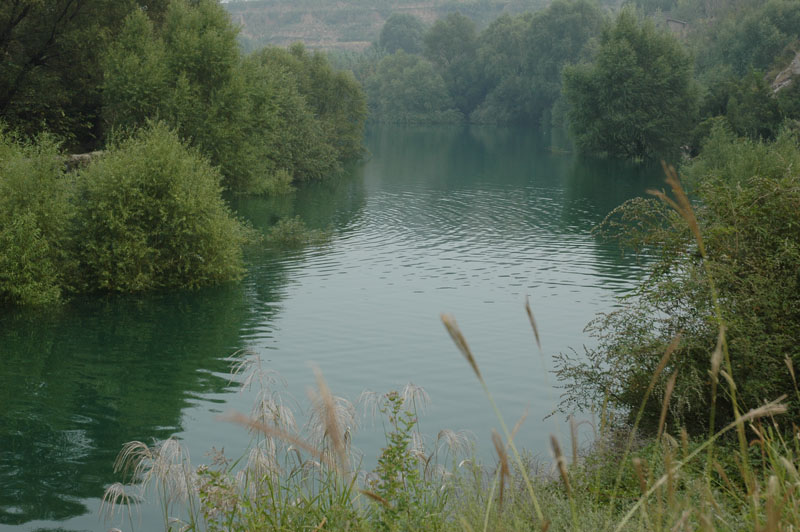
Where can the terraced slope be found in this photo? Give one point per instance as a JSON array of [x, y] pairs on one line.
[[350, 24]]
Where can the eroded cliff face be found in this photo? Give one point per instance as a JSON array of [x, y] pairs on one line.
[[788, 75]]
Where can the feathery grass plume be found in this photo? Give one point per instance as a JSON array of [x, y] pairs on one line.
[[505, 473], [275, 432], [333, 416], [416, 397], [456, 442], [458, 338], [533, 322], [370, 402], [115, 497], [665, 404]]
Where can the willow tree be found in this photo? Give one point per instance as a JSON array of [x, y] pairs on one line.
[[636, 100]]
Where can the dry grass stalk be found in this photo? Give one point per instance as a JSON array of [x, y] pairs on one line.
[[683, 206], [545, 526], [773, 507], [668, 465], [725, 479], [561, 463], [683, 522], [573, 436], [639, 466], [790, 365], [505, 472], [461, 342], [665, 405], [533, 323], [332, 428], [716, 357], [322, 523], [274, 432], [464, 524], [375, 497], [518, 425]]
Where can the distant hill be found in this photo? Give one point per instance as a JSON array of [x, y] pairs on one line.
[[351, 24]]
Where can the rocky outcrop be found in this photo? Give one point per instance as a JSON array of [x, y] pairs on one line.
[[787, 75]]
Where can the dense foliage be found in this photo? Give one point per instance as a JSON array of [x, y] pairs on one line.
[[749, 200], [51, 71], [402, 32], [408, 90], [147, 214], [508, 73], [35, 215], [151, 215], [257, 117], [636, 100]]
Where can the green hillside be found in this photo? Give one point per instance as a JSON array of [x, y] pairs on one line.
[[351, 24]]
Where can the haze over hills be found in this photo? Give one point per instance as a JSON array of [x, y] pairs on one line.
[[351, 24]]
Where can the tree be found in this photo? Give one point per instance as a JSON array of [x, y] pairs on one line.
[[451, 45], [265, 119], [637, 99], [406, 89], [51, 67], [557, 36], [335, 98], [501, 56], [402, 32]]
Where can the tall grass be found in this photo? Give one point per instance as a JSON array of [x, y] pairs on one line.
[[311, 478]]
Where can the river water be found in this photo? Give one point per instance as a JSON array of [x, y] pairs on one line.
[[467, 221]]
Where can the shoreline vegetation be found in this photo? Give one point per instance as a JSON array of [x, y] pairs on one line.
[[668, 453], [694, 377]]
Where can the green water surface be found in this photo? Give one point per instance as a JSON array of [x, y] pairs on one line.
[[437, 219]]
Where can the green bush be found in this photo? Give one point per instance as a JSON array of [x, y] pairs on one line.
[[749, 200], [637, 99], [35, 214], [151, 215]]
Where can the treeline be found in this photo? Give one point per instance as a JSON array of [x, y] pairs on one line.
[[349, 24], [180, 113], [645, 82], [88, 70]]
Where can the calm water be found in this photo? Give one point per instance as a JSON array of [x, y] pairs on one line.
[[466, 221]]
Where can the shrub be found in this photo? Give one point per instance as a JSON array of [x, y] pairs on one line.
[[749, 200], [151, 216], [35, 214]]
